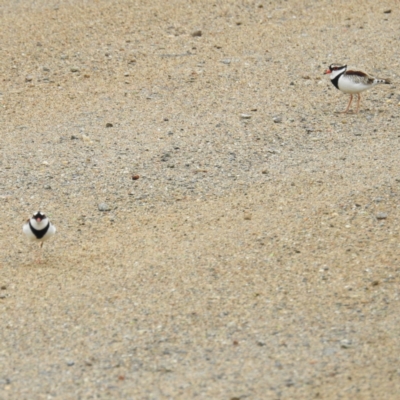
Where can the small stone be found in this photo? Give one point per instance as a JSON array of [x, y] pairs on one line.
[[135, 177], [345, 343], [387, 11], [381, 215], [165, 156], [47, 187], [70, 363], [226, 61], [197, 33], [45, 163], [265, 172], [29, 78], [289, 382], [260, 343], [104, 207], [3, 287], [73, 137], [277, 120], [141, 197], [74, 69], [109, 125], [247, 216], [245, 116], [170, 166], [375, 283]]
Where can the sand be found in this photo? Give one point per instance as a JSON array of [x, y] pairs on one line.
[[222, 231]]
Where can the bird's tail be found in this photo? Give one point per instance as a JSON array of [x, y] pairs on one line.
[[387, 81]]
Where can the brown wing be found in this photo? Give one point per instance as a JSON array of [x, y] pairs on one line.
[[360, 77]]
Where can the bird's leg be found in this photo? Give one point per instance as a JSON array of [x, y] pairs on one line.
[[39, 260], [358, 102], [348, 106]]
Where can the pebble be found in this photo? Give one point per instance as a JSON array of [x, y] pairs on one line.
[[47, 187], [135, 177], [345, 343], [104, 207], [73, 137], [28, 78], [74, 69], [381, 215], [226, 61], [197, 33], [277, 120], [245, 116], [165, 156], [109, 125]]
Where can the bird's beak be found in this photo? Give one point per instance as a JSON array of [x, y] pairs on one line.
[[328, 71], [38, 219]]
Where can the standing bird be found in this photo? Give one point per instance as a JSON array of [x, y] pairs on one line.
[[352, 81], [39, 229]]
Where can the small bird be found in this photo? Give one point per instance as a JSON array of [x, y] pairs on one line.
[[39, 229], [352, 81]]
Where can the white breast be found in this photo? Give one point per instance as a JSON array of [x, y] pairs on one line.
[[30, 235]]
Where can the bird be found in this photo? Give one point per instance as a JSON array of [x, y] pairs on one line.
[[38, 228], [352, 81]]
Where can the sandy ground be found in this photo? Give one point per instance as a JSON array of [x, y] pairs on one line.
[[257, 255]]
